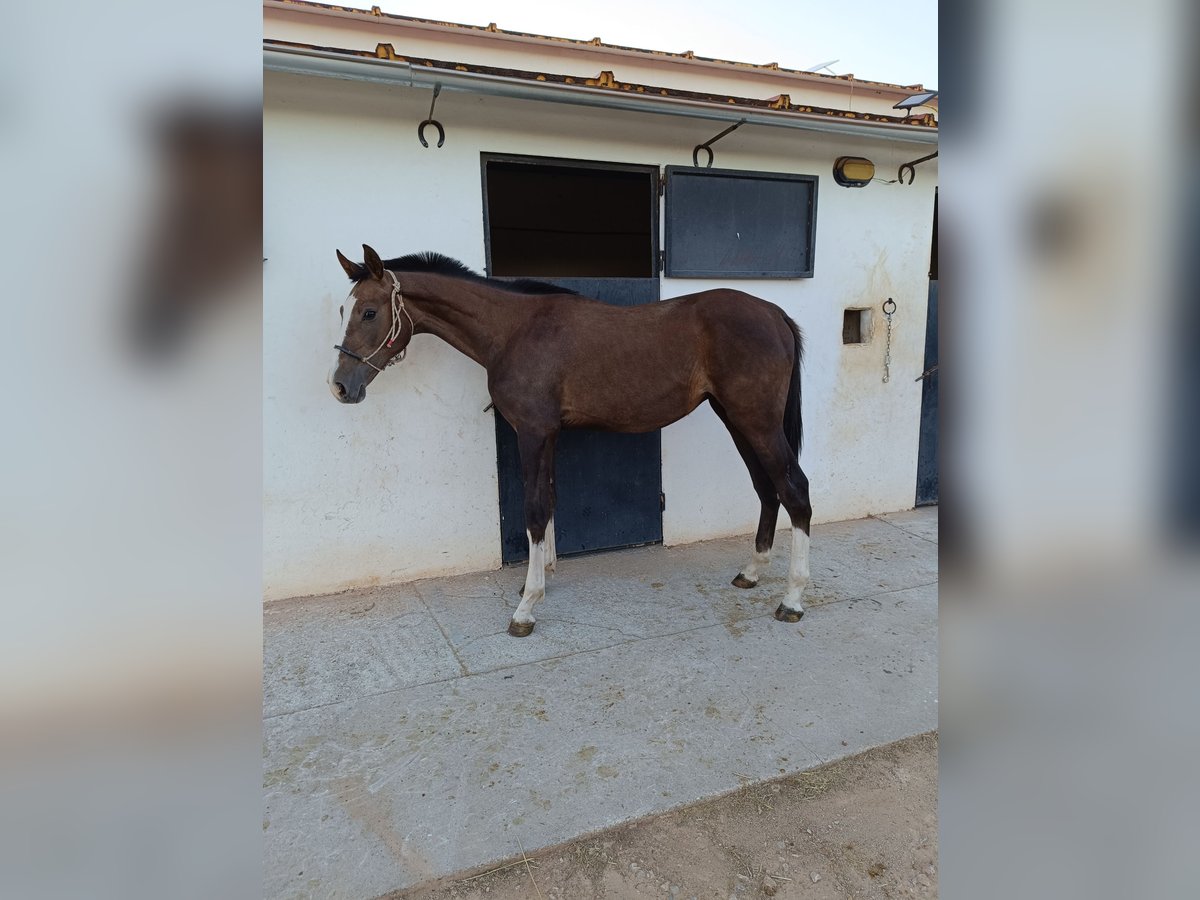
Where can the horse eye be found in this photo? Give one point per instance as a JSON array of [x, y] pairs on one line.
[[368, 315]]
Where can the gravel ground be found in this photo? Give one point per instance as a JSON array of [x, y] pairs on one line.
[[865, 826]]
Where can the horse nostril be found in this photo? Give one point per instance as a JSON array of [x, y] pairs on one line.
[[340, 388]]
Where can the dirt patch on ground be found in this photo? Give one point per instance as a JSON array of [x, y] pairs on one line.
[[862, 827]]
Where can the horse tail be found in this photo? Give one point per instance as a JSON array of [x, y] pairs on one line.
[[793, 421]]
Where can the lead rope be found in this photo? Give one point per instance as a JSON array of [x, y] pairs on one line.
[[396, 329]]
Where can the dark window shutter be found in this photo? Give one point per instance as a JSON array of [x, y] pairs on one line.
[[727, 223]]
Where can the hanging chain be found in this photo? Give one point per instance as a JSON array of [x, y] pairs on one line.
[[889, 309]]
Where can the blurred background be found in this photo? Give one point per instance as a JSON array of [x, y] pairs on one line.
[[130, 652], [1069, 370]]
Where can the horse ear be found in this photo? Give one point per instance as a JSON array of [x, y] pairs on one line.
[[353, 269], [374, 263]]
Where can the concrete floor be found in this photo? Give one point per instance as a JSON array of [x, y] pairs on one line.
[[407, 736]]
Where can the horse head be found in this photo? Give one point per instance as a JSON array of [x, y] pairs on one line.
[[377, 327]]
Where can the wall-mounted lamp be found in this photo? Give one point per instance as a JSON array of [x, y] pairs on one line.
[[853, 171]]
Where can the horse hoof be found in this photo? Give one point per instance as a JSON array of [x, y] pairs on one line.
[[741, 581], [520, 629], [783, 614]]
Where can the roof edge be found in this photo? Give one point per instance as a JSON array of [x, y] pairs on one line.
[[385, 65], [848, 82]]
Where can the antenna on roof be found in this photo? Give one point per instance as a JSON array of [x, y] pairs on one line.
[[825, 65]]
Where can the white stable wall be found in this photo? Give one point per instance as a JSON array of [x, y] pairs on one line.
[[404, 486]]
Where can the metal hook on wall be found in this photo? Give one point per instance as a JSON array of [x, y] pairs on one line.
[[437, 89], [912, 168], [707, 145]]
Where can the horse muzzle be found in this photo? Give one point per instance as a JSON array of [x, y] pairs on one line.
[[352, 392]]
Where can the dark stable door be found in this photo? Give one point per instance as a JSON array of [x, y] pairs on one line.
[[927, 454], [609, 485]]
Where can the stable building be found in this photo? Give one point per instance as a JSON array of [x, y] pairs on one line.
[[627, 175]]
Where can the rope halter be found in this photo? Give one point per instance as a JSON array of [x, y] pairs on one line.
[[394, 330]]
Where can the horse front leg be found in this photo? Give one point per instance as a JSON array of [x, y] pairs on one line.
[[551, 548], [537, 467]]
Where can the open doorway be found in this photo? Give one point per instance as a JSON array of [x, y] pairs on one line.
[[927, 452], [566, 219], [593, 228]]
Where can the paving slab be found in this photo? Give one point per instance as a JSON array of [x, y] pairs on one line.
[[350, 645], [914, 521], [602, 600], [649, 683]]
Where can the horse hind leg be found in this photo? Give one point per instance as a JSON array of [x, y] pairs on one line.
[[768, 517], [792, 486], [791, 609], [749, 574]]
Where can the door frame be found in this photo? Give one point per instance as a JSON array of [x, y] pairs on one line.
[[655, 210]]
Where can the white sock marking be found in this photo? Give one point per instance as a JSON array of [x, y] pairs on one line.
[[535, 582], [798, 574], [758, 562]]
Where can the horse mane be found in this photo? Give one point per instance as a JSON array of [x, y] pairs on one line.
[[440, 264]]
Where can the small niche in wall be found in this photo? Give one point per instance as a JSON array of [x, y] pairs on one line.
[[856, 326]]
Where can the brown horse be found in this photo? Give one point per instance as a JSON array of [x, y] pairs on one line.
[[557, 360]]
